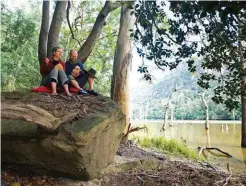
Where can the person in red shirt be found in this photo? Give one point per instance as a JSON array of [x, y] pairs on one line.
[[53, 72]]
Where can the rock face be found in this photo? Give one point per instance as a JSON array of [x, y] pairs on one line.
[[77, 142]]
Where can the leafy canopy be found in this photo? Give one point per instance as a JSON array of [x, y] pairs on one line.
[[169, 33]]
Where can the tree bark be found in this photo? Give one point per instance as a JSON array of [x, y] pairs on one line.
[[90, 42], [122, 63], [243, 101], [43, 35], [243, 81], [53, 37]]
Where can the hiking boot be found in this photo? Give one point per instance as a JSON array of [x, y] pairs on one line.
[[92, 92], [81, 91]]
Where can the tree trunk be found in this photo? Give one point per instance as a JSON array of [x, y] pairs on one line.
[[90, 42], [43, 35], [146, 111], [171, 122], [122, 63], [243, 82], [164, 127], [243, 101], [59, 14], [167, 106], [207, 111]]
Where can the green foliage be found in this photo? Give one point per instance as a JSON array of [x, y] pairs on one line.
[[19, 41], [219, 25], [19, 44], [168, 146], [101, 58], [187, 104]]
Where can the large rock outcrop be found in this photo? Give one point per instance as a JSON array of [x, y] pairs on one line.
[[73, 137]]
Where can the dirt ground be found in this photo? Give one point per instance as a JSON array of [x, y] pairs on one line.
[[167, 172], [61, 104]]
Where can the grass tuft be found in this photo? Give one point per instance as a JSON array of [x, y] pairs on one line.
[[172, 147]]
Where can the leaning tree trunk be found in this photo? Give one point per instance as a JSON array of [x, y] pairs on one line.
[[122, 63], [43, 35], [59, 14], [90, 42]]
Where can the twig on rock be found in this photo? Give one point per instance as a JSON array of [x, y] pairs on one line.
[[148, 175]]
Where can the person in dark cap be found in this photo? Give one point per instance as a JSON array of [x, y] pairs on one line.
[[53, 72], [78, 76]]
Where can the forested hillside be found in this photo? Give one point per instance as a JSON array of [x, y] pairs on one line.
[[186, 101]]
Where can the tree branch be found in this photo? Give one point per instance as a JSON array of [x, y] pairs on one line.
[[71, 30], [53, 36], [158, 29], [90, 42]]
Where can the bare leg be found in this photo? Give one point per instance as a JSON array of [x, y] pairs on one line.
[[53, 86], [75, 84], [66, 89], [91, 82]]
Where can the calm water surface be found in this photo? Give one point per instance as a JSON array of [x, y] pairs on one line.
[[195, 135]]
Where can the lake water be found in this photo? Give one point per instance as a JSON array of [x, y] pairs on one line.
[[193, 133]]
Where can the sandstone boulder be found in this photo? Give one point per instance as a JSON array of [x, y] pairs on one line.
[[73, 137]]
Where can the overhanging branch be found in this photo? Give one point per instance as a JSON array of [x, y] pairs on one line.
[[69, 25]]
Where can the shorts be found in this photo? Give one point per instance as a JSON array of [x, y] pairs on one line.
[[82, 80]]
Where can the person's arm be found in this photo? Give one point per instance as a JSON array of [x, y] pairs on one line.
[[82, 72], [46, 66]]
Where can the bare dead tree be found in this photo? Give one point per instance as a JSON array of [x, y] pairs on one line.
[[205, 103], [168, 106]]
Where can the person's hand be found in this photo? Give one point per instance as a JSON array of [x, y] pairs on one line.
[[76, 75], [59, 67], [46, 60]]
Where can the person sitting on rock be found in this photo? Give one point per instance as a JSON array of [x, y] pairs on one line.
[[78, 76], [53, 72]]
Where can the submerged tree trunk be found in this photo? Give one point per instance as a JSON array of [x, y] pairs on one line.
[[171, 122], [43, 35], [164, 127], [167, 107], [59, 14], [122, 63], [207, 111]]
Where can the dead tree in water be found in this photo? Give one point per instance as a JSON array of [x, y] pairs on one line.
[[202, 95], [167, 108]]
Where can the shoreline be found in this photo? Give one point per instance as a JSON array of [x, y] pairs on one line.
[[188, 121], [137, 166]]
